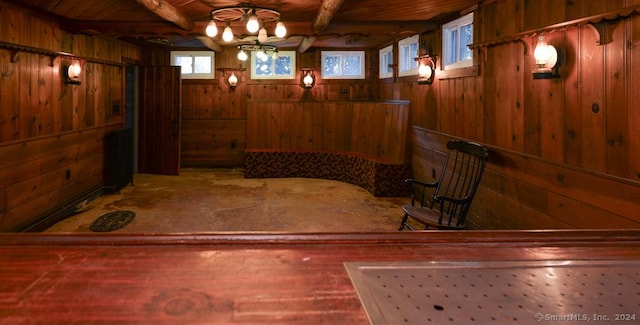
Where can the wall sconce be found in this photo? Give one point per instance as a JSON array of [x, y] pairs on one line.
[[426, 69], [546, 60], [233, 81], [72, 72], [230, 77], [307, 78]]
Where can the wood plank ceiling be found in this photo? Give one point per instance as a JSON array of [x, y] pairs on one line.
[[310, 23]]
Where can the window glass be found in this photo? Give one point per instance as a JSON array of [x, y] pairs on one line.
[[457, 36], [343, 64], [408, 51], [386, 62], [280, 65], [194, 64]]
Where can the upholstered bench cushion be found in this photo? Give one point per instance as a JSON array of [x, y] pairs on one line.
[[377, 176]]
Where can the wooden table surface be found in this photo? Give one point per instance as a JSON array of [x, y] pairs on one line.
[[250, 278]]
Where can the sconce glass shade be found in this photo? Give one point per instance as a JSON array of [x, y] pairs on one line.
[[281, 31], [212, 29], [546, 57], [308, 78], [227, 34], [74, 70], [426, 69], [72, 73], [233, 80]]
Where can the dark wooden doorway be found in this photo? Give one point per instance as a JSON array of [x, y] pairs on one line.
[[159, 120]]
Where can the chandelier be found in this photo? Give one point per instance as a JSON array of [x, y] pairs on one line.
[[263, 51], [252, 16]]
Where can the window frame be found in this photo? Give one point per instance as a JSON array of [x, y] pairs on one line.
[[291, 75], [193, 55], [406, 42], [456, 25], [385, 71], [360, 54]]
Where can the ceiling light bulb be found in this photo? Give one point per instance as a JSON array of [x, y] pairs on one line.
[[262, 35], [227, 35], [212, 29], [242, 55], [281, 31], [252, 24]]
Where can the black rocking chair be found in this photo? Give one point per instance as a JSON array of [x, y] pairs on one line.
[[444, 204]]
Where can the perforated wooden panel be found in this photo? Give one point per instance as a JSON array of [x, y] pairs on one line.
[[498, 292]]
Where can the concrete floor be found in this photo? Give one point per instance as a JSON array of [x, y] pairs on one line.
[[223, 200]]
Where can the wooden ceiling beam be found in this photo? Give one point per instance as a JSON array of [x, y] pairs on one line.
[[208, 42], [168, 12], [327, 10]]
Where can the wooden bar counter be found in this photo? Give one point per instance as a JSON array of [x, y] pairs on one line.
[[249, 278]]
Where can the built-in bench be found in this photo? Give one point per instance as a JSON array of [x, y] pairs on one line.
[[380, 177]]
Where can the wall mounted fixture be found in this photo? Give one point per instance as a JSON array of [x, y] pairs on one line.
[[231, 76], [262, 50], [232, 80], [426, 69], [307, 78], [255, 18], [546, 57], [71, 72]]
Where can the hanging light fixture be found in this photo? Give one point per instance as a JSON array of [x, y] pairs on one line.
[[253, 17], [262, 51]]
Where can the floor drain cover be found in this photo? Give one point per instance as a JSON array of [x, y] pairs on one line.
[[112, 221]]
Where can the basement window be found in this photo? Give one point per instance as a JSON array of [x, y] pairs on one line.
[[386, 62], [408, 51], [195, 64], [456, 38], [273, 66], [342, 64]]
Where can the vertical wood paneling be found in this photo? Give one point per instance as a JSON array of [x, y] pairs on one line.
[[593, 106], [370, 128], [616, 97]]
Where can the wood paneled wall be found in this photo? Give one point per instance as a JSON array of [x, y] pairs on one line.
[[374, 129], [52, 133], [565, 150], [214, 117]]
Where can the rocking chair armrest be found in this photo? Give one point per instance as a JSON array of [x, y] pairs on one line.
[[412, 181], [450, 199]]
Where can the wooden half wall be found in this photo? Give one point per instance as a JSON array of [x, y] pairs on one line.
[[375, 129], [520, 191]]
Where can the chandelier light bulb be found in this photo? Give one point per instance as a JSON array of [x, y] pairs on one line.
[[281, 31], [262, 35], [252, 24], [212, 29], [227, 35], [242, 55]]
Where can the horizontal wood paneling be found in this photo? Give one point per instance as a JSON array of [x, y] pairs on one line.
[[377, 129], [52, 133]]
